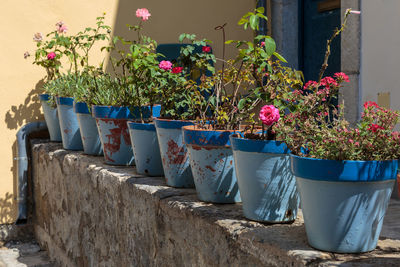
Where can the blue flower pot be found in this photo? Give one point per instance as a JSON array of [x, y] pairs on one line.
[[89, 133], [343, 202], [267, 187], [113, 130], [145, 148], [51, 117], [71, 135], [174, 155], [212, 164]]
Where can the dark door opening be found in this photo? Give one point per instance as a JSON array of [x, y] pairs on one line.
[[319, 19]]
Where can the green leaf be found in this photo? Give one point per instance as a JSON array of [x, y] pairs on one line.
[[254, 22], [260, 9], [278, 56], [270, 46], [241, 103], [242, 21]]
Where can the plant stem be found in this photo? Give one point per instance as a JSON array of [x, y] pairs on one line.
[[328, 45]]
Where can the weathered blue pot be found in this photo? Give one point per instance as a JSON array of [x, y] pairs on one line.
[[70, 133], [343, 202], [145, 148], [212, 164], [51, 117], [267, 187], [174, 155], [89, 133], [396, 187], [113, 130]]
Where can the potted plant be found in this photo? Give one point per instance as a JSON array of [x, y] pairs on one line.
[[267, 187], [96, 82], [49, 60], [344, 174], [178, 109], [221, 114], [63, 87], [124, 101]]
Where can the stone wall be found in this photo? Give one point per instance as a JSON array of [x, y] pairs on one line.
[[91, 214]]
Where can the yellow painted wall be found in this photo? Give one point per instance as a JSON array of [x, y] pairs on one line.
[[20, 81]]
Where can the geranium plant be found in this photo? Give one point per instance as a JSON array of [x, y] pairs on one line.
[[318, 129]]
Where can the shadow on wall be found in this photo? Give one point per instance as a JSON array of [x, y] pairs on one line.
[[16, 117], [27, 112], [6, 208]]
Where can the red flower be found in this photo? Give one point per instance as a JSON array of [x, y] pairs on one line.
[[328, 81], [177, 70], [310, 84], [374, 127], [342, 76], [370, 104], [206, 49]]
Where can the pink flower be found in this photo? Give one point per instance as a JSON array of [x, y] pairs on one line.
[[355, 12], [206, 49], [51, 55], [143, 13], [37, 37], [342, 76], [262, 43], [269, 114], [26, 55], [61, 27], [165, 65], [177, 70]]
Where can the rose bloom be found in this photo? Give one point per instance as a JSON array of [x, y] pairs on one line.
[[177, 70], [37, 37], [61, 27], [51, 55], [269, 114], [165, 65], [143, 13], [262, 43], [206, 49]]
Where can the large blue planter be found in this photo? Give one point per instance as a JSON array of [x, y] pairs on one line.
[[145, 148], [267, 187], [51, 117], [113, 130], [343, 202], [71, 135], [89, 133], [212, 164], [174, 155]]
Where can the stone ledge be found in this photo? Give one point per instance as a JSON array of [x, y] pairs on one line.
[[91, 214]]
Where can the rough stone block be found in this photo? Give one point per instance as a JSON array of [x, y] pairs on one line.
[[91, 214]]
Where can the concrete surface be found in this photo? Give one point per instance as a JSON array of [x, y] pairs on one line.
[[23, 254], [91, 214]]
